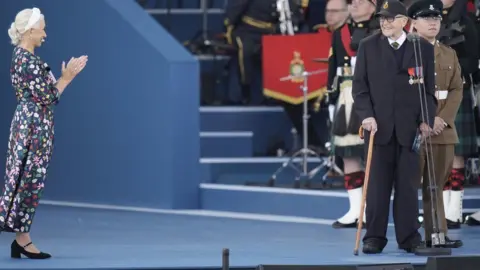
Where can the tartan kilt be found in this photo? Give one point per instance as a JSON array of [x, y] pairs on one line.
[[345, 140], [354, 151], [466, 130]]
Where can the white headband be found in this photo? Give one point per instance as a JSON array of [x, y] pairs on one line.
[[36, 15]]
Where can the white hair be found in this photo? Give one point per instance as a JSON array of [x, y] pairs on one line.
[[25, 20]]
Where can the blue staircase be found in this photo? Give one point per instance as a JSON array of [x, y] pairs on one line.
[[234, 141]]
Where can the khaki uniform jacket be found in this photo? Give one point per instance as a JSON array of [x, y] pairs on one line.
[[447, 78]]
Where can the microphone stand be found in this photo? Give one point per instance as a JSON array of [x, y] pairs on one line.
[[438, 238]]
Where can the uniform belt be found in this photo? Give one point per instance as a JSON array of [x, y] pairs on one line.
[[441, 94], [257, 23], [344, 71]]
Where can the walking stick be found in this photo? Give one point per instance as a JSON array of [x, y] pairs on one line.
[[365, 187]]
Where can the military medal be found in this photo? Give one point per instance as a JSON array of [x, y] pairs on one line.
[[419, 73], [411, 73]]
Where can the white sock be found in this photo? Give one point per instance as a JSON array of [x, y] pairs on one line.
[[455, 207], [446, 200], [355, 200]]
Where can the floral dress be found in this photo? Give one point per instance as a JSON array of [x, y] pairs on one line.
[[30, 142]]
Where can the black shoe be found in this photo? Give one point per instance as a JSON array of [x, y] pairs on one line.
[[338, 225], [17, 251], [472, 222], [373, 246], [412, 244], [449, 243], [453, 225]]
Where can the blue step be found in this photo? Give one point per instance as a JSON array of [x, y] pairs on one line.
[[244, 118], [239, 171], [268, 124], [226, 144], [324, 204]]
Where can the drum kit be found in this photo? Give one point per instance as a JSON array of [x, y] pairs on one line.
[[327, 164]]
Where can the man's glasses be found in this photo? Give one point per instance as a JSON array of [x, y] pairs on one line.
[[358, 2], [335, 11], [389, 19]]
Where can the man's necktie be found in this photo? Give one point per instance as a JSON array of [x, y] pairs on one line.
[[395, 45]]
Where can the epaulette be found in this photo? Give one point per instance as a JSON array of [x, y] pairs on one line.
[[448, 47], [304, 3], [318, 26], [440, 44]]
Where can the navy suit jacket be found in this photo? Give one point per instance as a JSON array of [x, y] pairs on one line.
[[382, 90]]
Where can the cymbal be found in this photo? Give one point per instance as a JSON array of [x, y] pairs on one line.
[[320, 60]]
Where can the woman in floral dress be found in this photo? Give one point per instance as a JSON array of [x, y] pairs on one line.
[[30, 143]]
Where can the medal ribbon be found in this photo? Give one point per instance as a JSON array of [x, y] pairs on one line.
[[419, 72], [411, 72]]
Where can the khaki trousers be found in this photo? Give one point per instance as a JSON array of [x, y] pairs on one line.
[[442, 163]]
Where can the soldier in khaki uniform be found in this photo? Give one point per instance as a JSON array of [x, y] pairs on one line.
[[426, 16]]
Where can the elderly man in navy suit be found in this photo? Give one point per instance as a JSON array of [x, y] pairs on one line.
[[386, 96]]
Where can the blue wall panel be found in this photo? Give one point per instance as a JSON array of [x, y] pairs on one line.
[[126, 128]]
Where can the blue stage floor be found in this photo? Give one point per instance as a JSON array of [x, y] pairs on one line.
[[93, 238]]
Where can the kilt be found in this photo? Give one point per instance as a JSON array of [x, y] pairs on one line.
[[346, 123], [466, 130], [354, 151]]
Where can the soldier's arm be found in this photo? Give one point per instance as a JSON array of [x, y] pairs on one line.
[[332, 67], [233, 13], [298, 9], [299, 5], [429, 81], [455, 94], [361, 86], [304, 4], [469, 63], [303, 9]]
